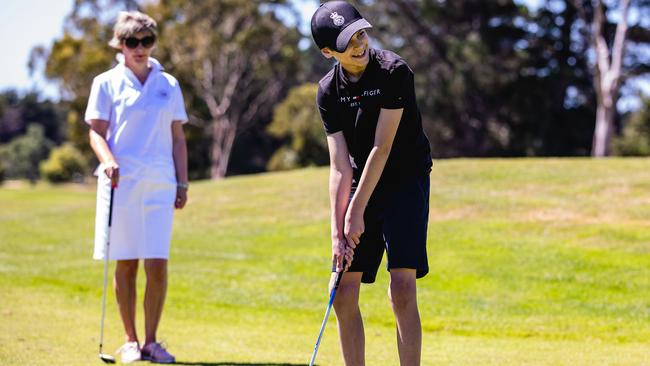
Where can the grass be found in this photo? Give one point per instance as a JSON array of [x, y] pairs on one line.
[[533, 262]]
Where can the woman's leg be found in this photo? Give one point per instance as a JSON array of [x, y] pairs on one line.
[[154, 297], [126, 272]]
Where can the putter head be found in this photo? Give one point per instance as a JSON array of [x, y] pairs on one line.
[[107, 358]]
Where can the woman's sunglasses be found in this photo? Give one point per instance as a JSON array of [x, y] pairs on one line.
[[146, 42]]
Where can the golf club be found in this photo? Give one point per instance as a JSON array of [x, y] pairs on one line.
[[104, 357], [339, 275]]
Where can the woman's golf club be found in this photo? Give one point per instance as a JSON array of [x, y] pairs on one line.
[[339, 275], [104, 357]]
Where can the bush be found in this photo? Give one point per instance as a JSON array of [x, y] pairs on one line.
[[23, 154], [65, 164], [283, 159], [635, 140]]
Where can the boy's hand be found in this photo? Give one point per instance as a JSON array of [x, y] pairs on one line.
[[340, 249], [354, 227]]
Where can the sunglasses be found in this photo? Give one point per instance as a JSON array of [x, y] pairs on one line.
[[133, 42]]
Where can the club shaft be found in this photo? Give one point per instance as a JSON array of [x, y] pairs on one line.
[[101, 327], [322, 328], [339, 275]]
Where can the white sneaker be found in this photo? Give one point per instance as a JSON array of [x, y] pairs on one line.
[[130, 351]]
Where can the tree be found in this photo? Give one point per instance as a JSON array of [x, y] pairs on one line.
[[18, 111], [608, 69], [494, 78], [74, 59], [237, 60], [297, 121], [234, 59], [466, 61]]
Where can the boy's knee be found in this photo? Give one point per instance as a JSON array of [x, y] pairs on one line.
[[402, 292], [347, 297]]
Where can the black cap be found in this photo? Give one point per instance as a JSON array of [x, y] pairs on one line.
[[334, 23]]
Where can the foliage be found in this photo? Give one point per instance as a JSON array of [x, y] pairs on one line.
[[18, 111], [493, 78], [23, 154], [236, 60], [74, 60], [635, 140], [297, 121], [65, 164]]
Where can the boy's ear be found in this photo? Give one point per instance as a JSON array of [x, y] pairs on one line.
[[326, 52]]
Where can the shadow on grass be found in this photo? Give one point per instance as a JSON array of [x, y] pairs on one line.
[[199, 363]]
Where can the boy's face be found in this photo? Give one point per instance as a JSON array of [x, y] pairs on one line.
[[356, 55]]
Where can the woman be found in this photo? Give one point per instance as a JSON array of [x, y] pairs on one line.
[[136, 115]]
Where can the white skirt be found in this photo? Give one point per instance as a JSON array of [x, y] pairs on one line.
[[143, 212]]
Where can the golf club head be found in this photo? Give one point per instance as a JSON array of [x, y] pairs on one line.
[[107, 358]]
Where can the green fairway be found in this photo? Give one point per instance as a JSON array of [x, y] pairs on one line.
[[533, 262]]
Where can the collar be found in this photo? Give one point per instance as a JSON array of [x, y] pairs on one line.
[[153, 63], [130, 76]]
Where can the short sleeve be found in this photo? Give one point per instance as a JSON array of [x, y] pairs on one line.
[[398, 88], [99, 101], [327, 114], [179, 105]]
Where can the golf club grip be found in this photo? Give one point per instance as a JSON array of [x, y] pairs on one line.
[[339, 275], [110, 208]]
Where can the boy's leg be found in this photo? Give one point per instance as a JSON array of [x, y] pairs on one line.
[[124, 282], [348, 316], [403, 297]]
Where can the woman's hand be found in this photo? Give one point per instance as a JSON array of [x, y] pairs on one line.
[[181, 197], [112, 171]]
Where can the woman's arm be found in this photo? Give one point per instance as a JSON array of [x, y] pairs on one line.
[[179, 152], [97, 137]]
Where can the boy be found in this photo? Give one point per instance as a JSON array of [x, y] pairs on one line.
[[380, 161]]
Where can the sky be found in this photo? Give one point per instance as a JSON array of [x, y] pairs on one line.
[[25, 24]]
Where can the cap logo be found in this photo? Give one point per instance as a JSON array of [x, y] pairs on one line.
[[338, 19]]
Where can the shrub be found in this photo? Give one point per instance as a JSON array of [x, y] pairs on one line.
[[65, 164], [23, 154], [635, 140]]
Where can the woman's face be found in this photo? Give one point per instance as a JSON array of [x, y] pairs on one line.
[[137, 48]]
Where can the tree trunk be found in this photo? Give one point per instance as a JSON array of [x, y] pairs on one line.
[[223, 137], [604, 127], [607, 74]]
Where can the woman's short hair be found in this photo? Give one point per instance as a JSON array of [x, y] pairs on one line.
[[130, 23]]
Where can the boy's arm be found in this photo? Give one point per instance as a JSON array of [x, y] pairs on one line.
[[387, 125], [340, 184]]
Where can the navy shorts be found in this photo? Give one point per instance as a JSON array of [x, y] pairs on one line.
[[395, 221]]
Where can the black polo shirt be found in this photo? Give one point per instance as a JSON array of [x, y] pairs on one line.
[[353, 107]]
